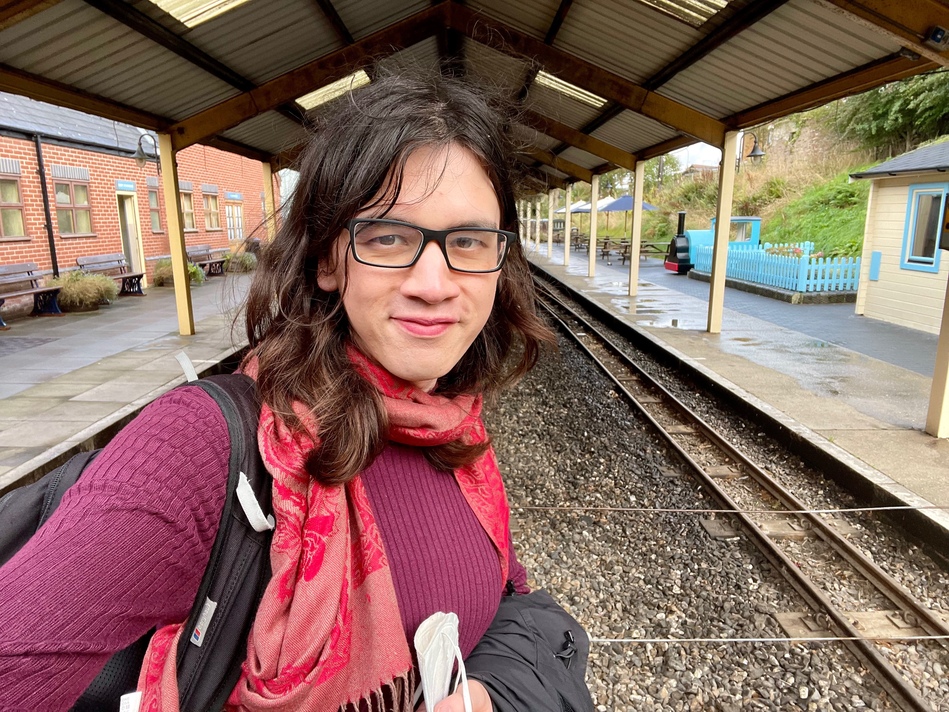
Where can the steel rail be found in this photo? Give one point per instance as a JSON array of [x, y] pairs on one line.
[[901, 691]]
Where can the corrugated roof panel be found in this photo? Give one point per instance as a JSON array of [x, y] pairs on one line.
[[633, 132], [261, 41], [560, 107], [422, 54], [363, 18], [582, 158], [530, 16], [76, 44], [799, 44], [493, 67], [627, 38], [531, 138], [269, 132], [695, 12]]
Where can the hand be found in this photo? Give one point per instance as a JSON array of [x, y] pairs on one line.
[[480, 700]]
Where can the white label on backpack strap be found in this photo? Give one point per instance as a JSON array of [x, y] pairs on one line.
[[190, 373], [130, 702], [255, 515], [204, 620]]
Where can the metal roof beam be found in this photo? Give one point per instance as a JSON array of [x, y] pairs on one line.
[[906, 21], [738, 23], [295, 83], [578, 139], [15, 11], [327, 8], [549, 38], [19, 82], [861, 79], [562, 165], [586, 75]]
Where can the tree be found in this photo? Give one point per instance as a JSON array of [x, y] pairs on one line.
[[897, 117], [659, 171]]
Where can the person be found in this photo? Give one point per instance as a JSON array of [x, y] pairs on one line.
[[393, 302]]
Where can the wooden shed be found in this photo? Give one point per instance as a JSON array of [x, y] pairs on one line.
[[905, 271]]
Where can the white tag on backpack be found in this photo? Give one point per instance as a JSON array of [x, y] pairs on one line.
[[255, 514], [436, 644], [130, 702]]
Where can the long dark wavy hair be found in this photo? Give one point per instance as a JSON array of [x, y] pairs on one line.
[[299, 333]]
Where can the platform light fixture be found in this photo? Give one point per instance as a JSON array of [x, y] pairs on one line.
[[755, 154], [142, 157]]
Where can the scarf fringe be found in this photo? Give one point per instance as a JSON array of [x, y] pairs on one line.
[[396, 696]]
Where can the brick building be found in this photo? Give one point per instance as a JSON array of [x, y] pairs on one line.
[[101, 200]]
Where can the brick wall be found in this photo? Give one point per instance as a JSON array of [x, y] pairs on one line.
[[197, 164]]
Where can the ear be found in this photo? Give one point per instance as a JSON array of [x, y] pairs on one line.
[[327, 280]]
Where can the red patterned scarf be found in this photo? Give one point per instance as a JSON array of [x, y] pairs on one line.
[[328, 634]]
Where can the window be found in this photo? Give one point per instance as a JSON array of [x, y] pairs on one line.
[[212, 215], [73, 212], [11, 209], [925, 215], [154, 210], [187, 211]]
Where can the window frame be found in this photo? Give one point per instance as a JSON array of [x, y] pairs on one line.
[[206, 198], [185, 213], [908, 260], [156, 211], [72, 207], [13, 206], [234, 220]]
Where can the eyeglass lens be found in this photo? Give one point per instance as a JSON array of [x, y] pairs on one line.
[[392, 245]]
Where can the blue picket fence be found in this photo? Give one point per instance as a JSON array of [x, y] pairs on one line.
[[794, 272]]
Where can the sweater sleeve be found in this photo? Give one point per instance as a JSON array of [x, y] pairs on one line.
[[124, 552]]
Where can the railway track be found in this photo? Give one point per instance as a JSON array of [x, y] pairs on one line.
[[754, 504]]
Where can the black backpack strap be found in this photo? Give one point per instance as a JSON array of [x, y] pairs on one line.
[[213, 643]]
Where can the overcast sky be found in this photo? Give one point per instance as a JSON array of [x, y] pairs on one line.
[[698, 153]]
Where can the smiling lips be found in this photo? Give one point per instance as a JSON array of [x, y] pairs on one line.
[[425, 327]]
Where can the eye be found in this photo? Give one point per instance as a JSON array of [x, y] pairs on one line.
[[468, 241]]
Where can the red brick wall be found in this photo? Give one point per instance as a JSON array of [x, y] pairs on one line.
[[198, 164]]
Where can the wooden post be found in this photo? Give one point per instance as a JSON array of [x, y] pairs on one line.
[[937, 418], [550, 220], [723, 223], [176, 236], [269, 202], [863, 284], [594, 196], [537, 225], [566, 224]]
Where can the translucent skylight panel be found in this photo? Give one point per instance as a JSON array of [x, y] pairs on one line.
[[331, 91], [695, 12], [571, 90], [193, 12]]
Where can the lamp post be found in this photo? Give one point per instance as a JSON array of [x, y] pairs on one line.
[[756, 151], [142, 157]]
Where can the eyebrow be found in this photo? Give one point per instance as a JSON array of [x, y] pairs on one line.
[[486, 224]]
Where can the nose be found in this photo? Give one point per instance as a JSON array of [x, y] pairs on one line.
[[430, 279]]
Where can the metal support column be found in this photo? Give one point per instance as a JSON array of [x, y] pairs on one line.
[[270, 205], [566, 224], [176, 236], [636, 234], [594, 197], [723, 223], [550, 220]]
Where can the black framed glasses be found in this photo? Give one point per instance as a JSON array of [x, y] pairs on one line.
[[390, 243]]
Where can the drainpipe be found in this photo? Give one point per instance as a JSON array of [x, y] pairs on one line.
[[49, 217]]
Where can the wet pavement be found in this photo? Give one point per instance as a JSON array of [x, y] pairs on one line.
[[858, 388], [68, 380]]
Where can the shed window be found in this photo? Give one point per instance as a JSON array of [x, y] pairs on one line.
[[187, 211], [11, 209], [154, 210], [925, 220], [73, 212], [212, 215]]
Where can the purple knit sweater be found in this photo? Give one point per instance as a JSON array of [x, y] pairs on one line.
[[126, 549]]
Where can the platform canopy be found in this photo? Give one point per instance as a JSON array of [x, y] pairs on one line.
[[604, 83]]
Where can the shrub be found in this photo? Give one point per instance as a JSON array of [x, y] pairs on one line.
[[81, 291], [240, 262], [163, 276], [658, 226]]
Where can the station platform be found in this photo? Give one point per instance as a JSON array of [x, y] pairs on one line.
[[69, 383], [854, 387]]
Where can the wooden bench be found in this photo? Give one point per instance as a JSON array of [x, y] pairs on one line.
[[23, 280], [114, 266], [207, 259]]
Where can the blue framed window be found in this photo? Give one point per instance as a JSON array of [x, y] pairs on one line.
[[925, 222]]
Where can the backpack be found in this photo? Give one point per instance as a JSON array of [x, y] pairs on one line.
[[214, 641]]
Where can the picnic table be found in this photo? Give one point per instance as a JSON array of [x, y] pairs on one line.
[[23, 280]]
